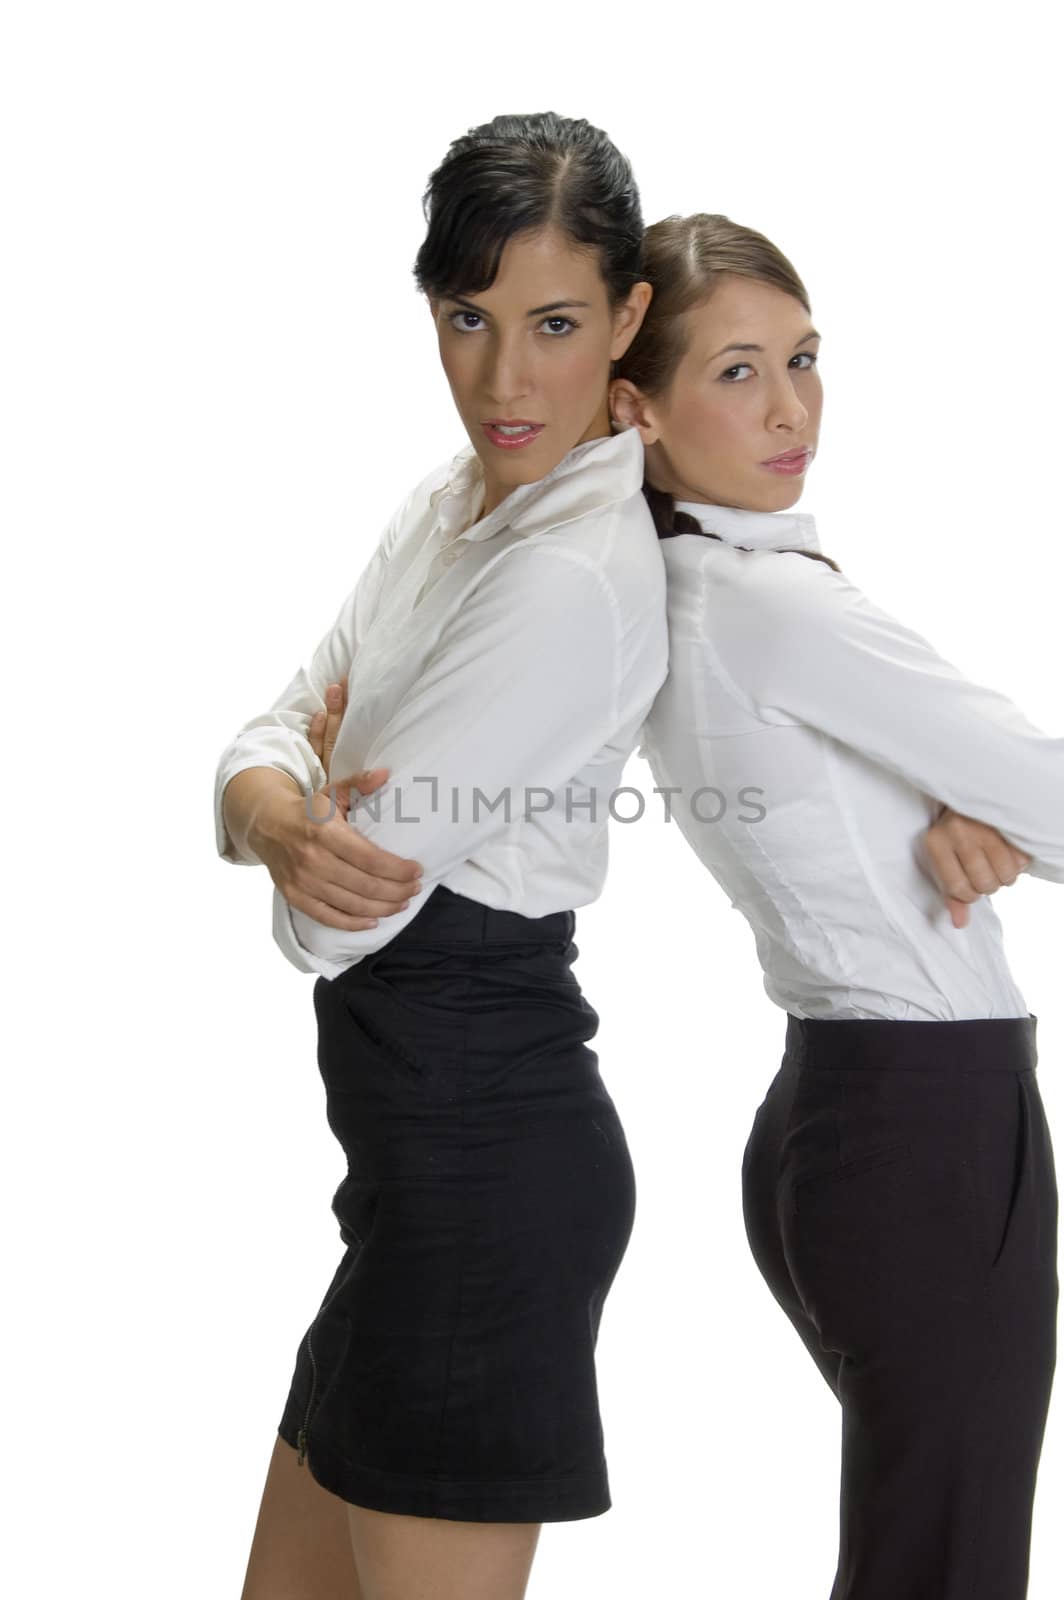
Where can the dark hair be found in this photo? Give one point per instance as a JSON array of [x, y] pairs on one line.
[[684, 258], [521, 173]]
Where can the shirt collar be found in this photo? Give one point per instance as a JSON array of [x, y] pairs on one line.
[[755, 530], [592, 475]]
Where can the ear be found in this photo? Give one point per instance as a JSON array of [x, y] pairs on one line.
[[628, 318], [629, 409]]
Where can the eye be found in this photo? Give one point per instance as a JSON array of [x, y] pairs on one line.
[[743, 366], [564, 332], [805, 355], [475, 316]]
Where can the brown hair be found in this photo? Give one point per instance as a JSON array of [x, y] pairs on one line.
[[683, 259]]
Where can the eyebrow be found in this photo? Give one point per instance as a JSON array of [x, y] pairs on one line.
[[812, 334], [537, 311]]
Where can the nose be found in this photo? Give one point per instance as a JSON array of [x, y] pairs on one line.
[[506, 375], [786, 410]]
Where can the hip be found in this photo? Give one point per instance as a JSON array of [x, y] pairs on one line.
[[470, 1021]]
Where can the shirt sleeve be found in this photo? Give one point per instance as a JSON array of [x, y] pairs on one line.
[[279, 737], [519, 692], [815, 649]]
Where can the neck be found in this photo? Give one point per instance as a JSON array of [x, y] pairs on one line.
[[495, 490], [661, 475]]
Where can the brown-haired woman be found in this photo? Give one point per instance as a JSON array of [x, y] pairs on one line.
[[899, 1188]]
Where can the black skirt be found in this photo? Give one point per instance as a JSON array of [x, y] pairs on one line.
[[487, 1205]]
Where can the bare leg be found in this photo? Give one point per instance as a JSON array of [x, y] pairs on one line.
[[302, 1546], [433, 1558]]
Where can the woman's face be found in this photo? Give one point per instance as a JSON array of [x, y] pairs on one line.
[[746, 390], [534, 348]]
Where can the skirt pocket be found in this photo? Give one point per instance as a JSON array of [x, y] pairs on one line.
[[409, 1016]]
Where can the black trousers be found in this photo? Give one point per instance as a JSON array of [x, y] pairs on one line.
[[900, 1200]]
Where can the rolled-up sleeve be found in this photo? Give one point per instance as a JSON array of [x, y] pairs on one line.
[[817, 650], [518, 694]]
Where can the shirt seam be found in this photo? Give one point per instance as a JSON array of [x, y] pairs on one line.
[[580, 559]]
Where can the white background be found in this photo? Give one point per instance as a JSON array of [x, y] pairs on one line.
[[218, 380]]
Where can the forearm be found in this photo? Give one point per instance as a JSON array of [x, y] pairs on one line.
[[246, 802]]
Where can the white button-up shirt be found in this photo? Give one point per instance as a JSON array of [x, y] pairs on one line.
[[500, 669], [844, 729]]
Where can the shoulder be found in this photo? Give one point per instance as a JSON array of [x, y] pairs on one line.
[[419, 504], [763, 614], [613, 549], [618, 539], [603, 572], [778, 588], [557, 571]]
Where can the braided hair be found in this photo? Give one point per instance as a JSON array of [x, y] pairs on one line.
[[670, 522]]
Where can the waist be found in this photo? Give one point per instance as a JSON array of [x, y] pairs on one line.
[[448, 918], [971, 1044]]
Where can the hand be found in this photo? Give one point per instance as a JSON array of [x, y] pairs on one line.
[[327, 869], [324, 727], [968, 859]]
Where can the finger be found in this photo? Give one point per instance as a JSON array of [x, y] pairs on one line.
[[334, 852], [343, 799], [369, 781], [316, 733], [349, 892], [1005, 861], [988, 859], [349, 883], [945, 868], [365, 782], [334, 709], [973, 861], [322, 912], [360, 905], [359, 851], [959, 913], [970, 838]]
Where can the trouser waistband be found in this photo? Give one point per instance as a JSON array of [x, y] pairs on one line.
[[972, 1044]]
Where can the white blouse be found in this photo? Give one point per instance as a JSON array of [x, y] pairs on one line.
[[830, 733], [501, 671]]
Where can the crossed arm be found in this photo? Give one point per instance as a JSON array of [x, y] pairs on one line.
[[965, 858]]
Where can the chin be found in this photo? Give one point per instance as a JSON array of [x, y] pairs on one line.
[[785, 494]]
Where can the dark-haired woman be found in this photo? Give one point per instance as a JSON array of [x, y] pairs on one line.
[[899, 1187], [500, 652]]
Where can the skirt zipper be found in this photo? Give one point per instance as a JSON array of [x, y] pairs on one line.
[[301, 1436]]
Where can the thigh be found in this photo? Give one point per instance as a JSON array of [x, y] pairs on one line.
[[430, 1558], [301, 1549], [920, 1230]]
